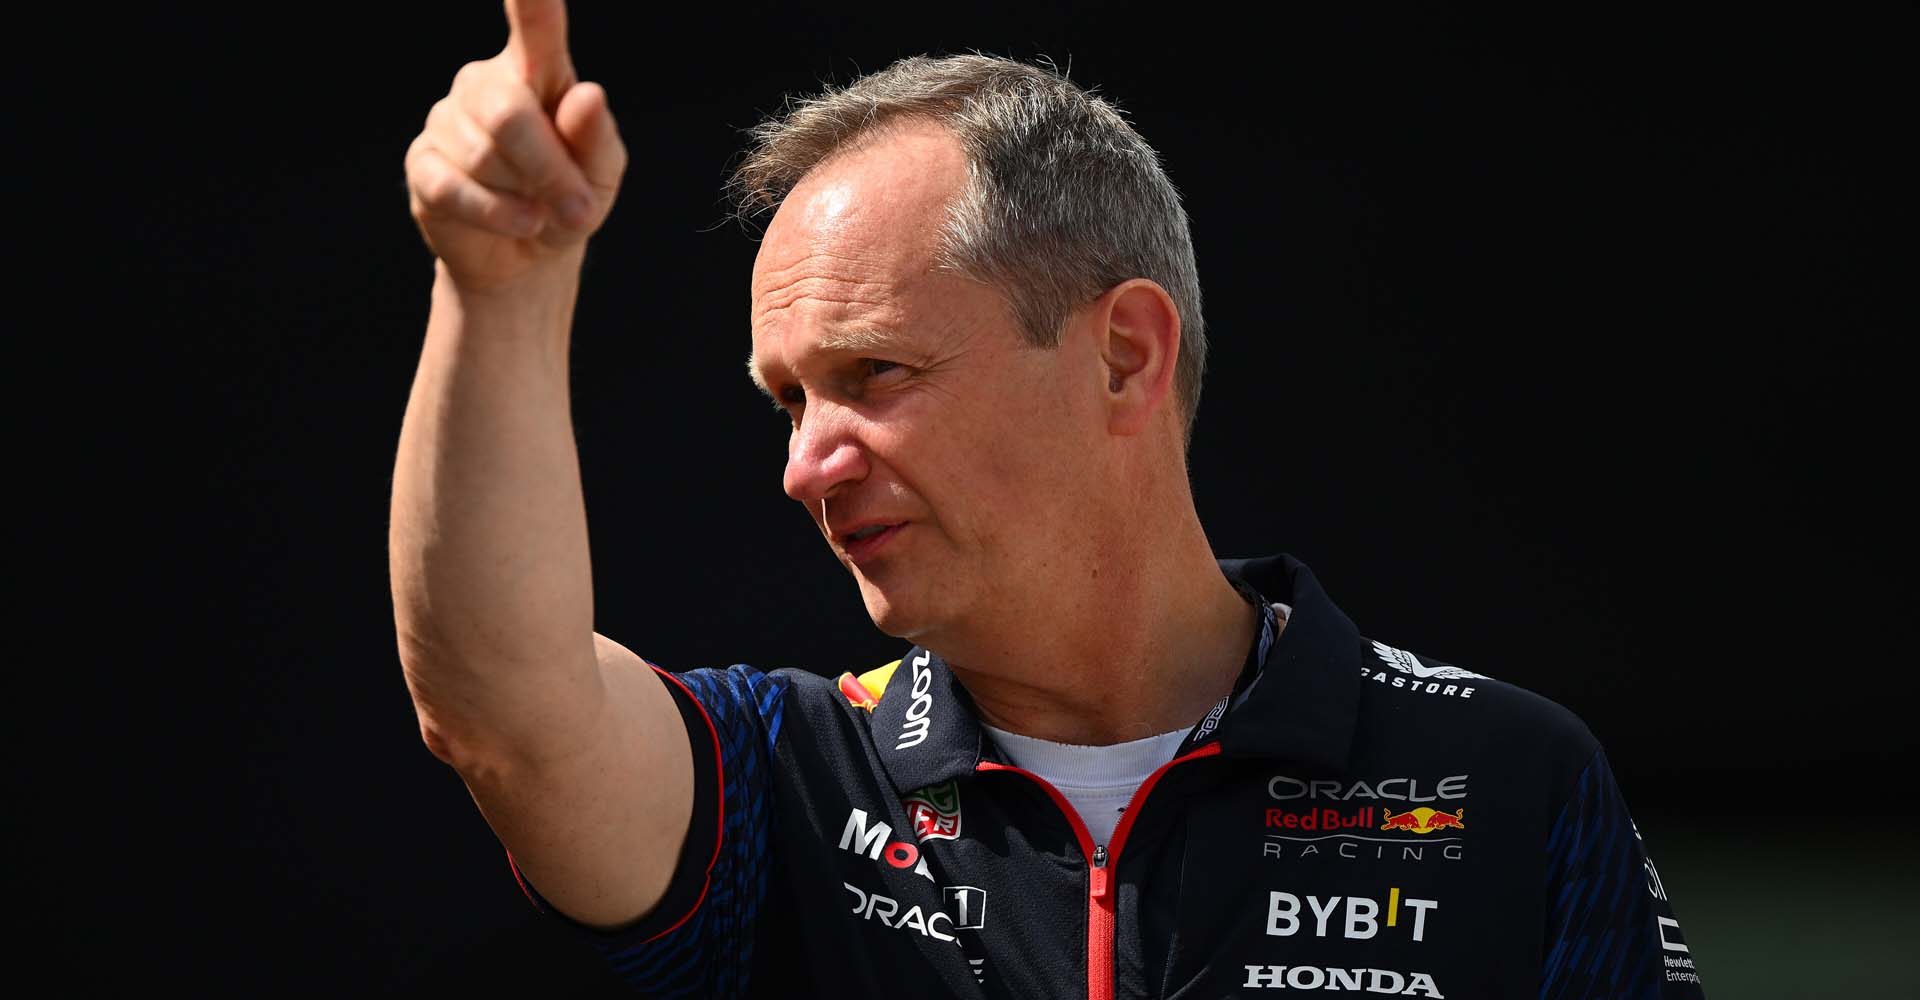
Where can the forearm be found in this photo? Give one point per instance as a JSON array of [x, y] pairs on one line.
[[488, 549]]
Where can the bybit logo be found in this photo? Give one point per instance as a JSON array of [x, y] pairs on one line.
[[1363, 915]]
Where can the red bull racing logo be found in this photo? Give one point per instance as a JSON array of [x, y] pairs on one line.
[[1424, 820], [1372, 819]]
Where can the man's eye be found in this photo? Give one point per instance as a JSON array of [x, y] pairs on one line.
[[875, 366], [787, 402]]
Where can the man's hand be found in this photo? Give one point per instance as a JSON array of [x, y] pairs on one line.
[[520, 162]]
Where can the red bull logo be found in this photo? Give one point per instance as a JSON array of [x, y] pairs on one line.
[[1424, 820], [1320, 819]]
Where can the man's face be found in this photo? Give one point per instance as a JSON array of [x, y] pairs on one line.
[[936, 452]]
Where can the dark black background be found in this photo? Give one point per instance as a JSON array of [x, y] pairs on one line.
[[1562, 347]]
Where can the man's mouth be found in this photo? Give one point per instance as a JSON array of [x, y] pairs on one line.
[[865, 540]]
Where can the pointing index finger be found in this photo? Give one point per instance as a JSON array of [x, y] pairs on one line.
[[537, 42]]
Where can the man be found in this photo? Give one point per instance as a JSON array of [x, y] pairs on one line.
[[1109, 763]]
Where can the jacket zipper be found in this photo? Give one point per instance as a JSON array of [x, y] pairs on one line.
[[1102, 861]]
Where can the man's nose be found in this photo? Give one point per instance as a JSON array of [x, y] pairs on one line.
[[823, 454]]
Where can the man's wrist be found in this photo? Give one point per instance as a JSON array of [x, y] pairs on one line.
[[555, 278], [538, 305]]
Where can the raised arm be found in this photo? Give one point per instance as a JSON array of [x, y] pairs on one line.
[[570, 745]]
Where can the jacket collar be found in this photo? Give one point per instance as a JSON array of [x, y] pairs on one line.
[[1304, 703], [1297, 703], [924, 725]]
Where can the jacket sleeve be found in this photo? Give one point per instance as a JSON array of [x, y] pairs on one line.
[[698, 942], [1610, 932]]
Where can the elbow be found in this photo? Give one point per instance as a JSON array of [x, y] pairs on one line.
[[478, 713], [439, 744], [462, 748], [433, 692], [442, 740]]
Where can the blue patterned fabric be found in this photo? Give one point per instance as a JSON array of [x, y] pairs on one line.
[[745, 706], [1602, 934]]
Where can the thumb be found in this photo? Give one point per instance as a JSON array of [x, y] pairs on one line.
[[585, 123]]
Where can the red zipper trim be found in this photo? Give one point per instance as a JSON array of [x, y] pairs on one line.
[[1100, 903], [1125, 825]]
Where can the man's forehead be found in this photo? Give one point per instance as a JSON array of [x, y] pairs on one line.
[[835, 301], [817, 218], [882, 203]]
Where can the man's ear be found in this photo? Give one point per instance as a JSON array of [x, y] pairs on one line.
[[1139, 338]]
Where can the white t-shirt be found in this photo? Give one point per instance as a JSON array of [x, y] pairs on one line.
[[1098, 781]]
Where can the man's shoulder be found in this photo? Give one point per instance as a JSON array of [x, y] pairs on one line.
[[857, 690]]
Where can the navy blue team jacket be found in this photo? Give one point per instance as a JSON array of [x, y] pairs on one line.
[[1353, 819]]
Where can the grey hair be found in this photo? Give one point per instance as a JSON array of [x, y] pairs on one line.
[[1064, 199]]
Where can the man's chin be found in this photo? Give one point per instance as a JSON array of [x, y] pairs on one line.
[[892, 611]]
